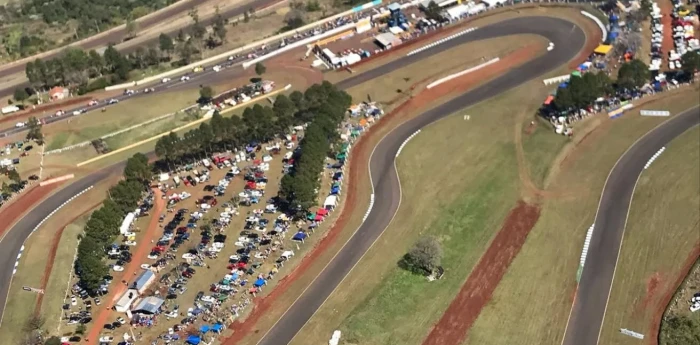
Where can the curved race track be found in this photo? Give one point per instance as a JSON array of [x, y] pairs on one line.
[[588, 311], [568, 40]]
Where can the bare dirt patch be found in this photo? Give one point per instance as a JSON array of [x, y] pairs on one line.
[[479, 287]]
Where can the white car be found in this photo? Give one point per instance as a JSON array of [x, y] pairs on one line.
[[185, 78], [149, 89], [92, 103], [113, 101], [118, 268], [695, 307], [19, 124], [146, 266], [73, 300], [106, 339], [121, 320], [165, 80], [216, 68], [207, 299], [130, 243]]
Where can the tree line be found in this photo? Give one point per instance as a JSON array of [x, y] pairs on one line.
[[583, 91], [103, 225], [321, 106]]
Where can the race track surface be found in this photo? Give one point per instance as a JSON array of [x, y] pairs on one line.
[[118, 35], [568, 40], [588, 311]]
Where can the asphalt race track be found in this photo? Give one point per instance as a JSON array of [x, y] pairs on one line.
[[568, 39], [586, 319], [117, 36]]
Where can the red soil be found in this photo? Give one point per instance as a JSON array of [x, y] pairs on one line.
[[139, 255], [666, 20], [52, 255], [23, 204], [479, 287]]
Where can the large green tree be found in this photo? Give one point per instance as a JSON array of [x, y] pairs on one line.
[[633, 74]]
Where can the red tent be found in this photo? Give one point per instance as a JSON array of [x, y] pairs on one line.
[[318, 218], [250, 184], [322, 212]]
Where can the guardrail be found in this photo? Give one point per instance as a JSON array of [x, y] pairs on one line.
[[600, 24], [244, 48], [558, 79]]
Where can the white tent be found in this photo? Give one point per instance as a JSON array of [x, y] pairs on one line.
[[126, 224], [331, 201]]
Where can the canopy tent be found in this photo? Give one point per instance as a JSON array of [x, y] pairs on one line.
[[194, 340], [322, 211], [318, 218], [217, 327], [549, 100], [204, 328], [576, 74], [299, 236], [259, 282], [603, 49]]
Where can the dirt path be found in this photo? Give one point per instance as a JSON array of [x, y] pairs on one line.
[[130, 270], [483, 280]]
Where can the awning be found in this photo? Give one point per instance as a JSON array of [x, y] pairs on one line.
[[260, 282], [204, 328], [603, 49], [217, 327], [194, 340], [322, 211], [299, 236]]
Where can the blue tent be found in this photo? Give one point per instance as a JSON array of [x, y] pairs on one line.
[[563, 85], [260, 282], [194, 340], [299, 236], [217, 327], [204, 328], [335, 190]]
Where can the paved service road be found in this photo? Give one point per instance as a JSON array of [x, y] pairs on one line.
[[588, 311], [568, 40], [117, 35]]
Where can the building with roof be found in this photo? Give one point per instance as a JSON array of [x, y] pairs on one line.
[[149, 305], [58, 93], [124, 302], [387, 40], [143, 281]]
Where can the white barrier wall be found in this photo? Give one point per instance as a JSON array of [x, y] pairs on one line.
[[558, 79], [298, 44], [457, 75], [600, 24]]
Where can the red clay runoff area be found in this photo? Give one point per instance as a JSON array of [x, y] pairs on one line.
[[479, 287], [16, 209]]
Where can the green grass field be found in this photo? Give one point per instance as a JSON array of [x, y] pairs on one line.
[[59, 279], [662, 230]]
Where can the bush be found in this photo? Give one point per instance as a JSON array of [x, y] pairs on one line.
[[424, 257]]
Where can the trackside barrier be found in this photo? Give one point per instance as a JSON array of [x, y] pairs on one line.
[[57, 179], [440, 41], [44, 220], [242, 49], [298, 44], [654, 157], [398, 152], [654, 113], [196, 122], [457, 75], [600, 24], [584, 252], [556, 80]]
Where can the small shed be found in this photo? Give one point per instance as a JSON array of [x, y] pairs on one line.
[[387, 40], [143, 281], [58, 93], [149, 305]]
